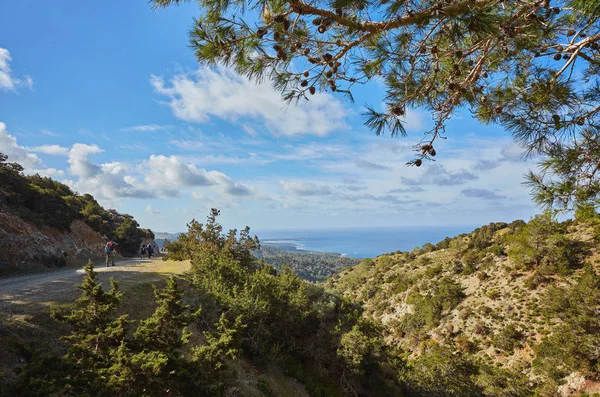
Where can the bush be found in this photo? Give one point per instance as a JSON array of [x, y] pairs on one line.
[[464, 344], [470, 260], [535, 280], [508, 338], [445, 296]]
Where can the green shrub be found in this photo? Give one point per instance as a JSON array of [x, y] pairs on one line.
[[508, 338], [542, 244]]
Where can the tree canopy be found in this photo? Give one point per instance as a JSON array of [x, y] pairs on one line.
[[530, 66]]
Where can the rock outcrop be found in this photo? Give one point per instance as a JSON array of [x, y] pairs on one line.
[[25, 247]]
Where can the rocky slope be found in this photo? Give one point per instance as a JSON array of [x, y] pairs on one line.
[[474, 294], [25, 247]]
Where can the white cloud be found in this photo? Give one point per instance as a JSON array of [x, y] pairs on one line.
[[8, 81], [16, 153], [436, 174], [237, 189], [49, 172], [49, 133], [305, 188], [187, 144], [485, 194], [224, 94], [78, 160], [512, 152], [370, 165], [53, 150], [151, 210], [146, 128], [170, 171], [251, 131], [413, 120]]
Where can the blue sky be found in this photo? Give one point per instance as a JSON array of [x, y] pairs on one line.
[[109, 99]]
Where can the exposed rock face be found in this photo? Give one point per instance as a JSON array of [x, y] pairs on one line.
[[25, 247]]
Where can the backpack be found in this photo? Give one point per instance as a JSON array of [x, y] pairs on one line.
[[108, 248]]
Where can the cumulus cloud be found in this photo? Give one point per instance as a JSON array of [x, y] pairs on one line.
[[237, 189], [53, 150], [484, 194], [8, 81], [16, 153], [224, 94], [79, 164], [172, 172], [159, 176], [305, 188], [438, 175], [360, 163]]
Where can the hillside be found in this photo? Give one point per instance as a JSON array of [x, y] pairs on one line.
[[309, 265], [510, 310], [515, 296], [44, 224]]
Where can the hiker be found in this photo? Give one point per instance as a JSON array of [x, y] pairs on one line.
[[142, 251], [150, 251], [109, 251]]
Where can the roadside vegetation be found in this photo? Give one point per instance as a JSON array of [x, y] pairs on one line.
[[459, 318]]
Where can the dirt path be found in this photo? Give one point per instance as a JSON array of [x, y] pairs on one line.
[[15, 283], [25, 302], [47, 284]]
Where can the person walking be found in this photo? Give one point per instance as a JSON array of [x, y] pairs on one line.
[[150, 251], [142, 251], [109, 252]]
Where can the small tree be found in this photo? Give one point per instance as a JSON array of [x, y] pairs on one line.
[[165, 330], [542, 243], [154, 362], [96, 332], [128, 235]]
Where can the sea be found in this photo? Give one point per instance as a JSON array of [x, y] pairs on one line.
[[359, 243]]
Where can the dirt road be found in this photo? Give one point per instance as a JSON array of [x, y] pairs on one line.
[[11, 284], [25, 301], [128, 270]]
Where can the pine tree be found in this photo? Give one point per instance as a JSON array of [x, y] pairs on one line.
[[530, 66], [154, 362], [165, 330], [96, 331]]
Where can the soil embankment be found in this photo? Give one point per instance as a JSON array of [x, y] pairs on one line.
[[27, 248]]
